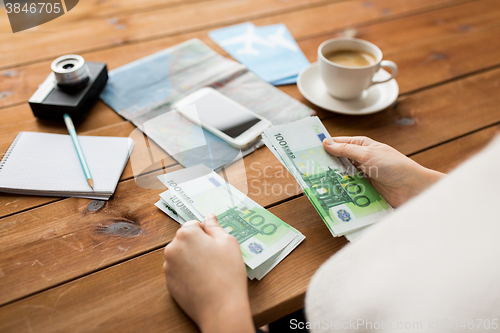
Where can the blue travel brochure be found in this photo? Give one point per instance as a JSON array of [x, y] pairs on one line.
[[269, 51]]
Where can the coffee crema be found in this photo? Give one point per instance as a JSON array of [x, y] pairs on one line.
[[351, 58]]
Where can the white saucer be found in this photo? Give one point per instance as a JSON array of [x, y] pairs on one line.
[[376, 98]]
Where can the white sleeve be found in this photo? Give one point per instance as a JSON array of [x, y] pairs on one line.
[[433, 265]]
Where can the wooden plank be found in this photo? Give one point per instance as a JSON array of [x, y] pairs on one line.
[[268, 182], [266, 179], [120, 312], [433, 47], [102, 33], [11, 203], [408, 74], [448, 156], [131, 206], [20, 118], [66, 239], [262, 178], [18, 84], [418, 121], [19, 113], [422, 120], [92, 9], [146, 285], [139, 301], [423, 115], [472, 102], [265, 175], [22, 112]]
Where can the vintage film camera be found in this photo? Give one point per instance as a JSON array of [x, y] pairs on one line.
[[73, 87]]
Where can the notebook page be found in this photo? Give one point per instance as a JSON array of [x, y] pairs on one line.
[[49, 163]]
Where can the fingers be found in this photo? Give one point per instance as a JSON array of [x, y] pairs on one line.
[[212, 226], [189, 229], [191, 226], [356, 140], [192, 223], [343, 149]]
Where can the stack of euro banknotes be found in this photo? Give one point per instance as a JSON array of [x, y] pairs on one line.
[[343, 197], [264, 239]]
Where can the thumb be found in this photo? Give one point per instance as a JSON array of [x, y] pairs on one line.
[[351, 151], [212, 226]]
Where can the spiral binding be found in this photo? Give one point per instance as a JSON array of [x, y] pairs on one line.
[[9, 151]]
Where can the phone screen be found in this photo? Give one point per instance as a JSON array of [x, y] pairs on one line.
[[232, 120]]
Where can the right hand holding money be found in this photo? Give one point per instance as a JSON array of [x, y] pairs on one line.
[[264, 240], [206, 275], [396, 177]]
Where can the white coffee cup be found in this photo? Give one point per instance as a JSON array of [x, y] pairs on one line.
[[350, 82]]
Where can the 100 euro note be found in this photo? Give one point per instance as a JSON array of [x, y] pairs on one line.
[[264, 239], [167, 209], [182, 211], [345, 200], [257, 273]]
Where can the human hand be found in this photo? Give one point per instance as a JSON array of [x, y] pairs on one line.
[[396, 177], [206, 275]]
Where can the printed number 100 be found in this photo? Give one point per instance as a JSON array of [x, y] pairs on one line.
[[259, 221], [354, 189]]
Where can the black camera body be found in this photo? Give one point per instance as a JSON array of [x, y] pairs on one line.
[[72, 88]]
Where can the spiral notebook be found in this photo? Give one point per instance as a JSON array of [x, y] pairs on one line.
[[47, 164]]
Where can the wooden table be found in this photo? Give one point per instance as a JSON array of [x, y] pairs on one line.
[[59, 271]]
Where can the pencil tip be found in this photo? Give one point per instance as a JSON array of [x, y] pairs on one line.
[[91, 183]]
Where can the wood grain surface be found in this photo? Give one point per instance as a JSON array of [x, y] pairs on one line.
[[447, 156], [20, 83], [132, 297], [83, 265]]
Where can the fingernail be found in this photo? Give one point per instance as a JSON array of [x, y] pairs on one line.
[[211, 217], [190, 223], [328, 142]]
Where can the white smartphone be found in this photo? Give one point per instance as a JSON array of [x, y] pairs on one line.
[[223, 117]]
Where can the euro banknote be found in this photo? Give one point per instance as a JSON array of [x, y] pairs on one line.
[[264, 239], [344, 198], [182, 211], [165, 207]]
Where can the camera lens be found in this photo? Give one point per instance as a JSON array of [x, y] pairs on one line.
[[71, 72]]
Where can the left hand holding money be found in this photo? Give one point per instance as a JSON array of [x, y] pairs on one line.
[[396, 177], [206, 275]]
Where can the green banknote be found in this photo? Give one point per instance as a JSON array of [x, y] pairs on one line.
[[261, 270], [167, 209], [178, 206], [345, 200], [264, 239]]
